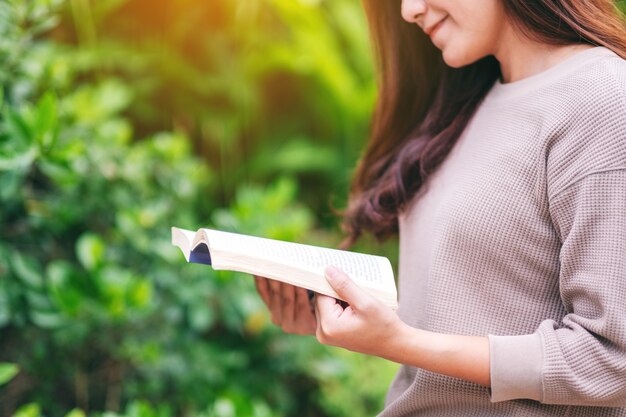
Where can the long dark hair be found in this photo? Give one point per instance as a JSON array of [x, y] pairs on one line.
[[424, 105]]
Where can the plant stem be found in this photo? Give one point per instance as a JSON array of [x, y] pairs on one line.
[[84, 22]]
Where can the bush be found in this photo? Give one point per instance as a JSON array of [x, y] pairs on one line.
[[261, 88], [99, 314]]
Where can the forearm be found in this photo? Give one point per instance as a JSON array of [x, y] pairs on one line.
[[369, 327], [464, 357]]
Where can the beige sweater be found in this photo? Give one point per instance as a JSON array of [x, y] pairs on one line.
[[521, 235]]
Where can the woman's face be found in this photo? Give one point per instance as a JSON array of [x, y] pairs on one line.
[[464, 30]]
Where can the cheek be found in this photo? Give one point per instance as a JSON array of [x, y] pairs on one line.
[[465, 47]]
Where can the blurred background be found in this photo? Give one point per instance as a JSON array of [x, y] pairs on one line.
[[121, 118]]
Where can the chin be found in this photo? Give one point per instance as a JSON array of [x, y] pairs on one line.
[[457, 60]]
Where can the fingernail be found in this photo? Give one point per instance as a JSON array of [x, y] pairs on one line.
[[331, 272]]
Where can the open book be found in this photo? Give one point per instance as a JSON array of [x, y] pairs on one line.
[[293, 263]]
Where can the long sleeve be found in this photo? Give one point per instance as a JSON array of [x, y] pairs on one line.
[[579, 359], [584, 356]]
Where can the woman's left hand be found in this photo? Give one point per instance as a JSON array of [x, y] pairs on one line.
[[366, 325]]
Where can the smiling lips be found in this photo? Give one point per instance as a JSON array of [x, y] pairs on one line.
[[430, 31]]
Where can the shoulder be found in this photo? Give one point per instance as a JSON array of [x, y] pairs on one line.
[[600, 85], [591, 84], [589, 124]]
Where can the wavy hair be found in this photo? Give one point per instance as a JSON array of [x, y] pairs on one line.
[[424, 105]]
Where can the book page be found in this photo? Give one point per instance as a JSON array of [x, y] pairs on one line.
[[372, 271]]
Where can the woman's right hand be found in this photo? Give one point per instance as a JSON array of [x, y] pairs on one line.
[[289, 306]]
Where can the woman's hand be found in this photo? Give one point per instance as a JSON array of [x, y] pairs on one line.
[[366, 325], [289, 306]]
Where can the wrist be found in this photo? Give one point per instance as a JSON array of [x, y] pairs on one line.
[[402, 345], [464, 357]]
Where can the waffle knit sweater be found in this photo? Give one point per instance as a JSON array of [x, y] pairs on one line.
[[520, 235]]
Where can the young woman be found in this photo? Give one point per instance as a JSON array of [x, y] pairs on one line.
[[498, 151]]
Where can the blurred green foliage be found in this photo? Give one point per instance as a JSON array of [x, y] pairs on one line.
[[121, 118], [262, 87]]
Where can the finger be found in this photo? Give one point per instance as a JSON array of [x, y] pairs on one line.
[[346, 288], [327, 311], [318, 316], [262, 287], [306, 310], [301, 315], [303, 302], [276, 306], [327, 307], [288, 296]]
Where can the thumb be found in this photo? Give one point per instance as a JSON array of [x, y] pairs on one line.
[[346, 288]]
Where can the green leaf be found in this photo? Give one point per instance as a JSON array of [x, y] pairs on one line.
[[46, 320], [140, 409], [45, 124], [17, 150], [18, 160], [224, 407], [27, 270], [17, 127], [28, 410], [298, 156], [76, 413], [67, 297], [90, 251], [93, 105], [10, 185], [140, 293], [7, 372], [201, 316], [5, 306]]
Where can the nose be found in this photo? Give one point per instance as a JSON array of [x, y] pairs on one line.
[[413, 10]]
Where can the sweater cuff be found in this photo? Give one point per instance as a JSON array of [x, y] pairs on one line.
[[515, 367]]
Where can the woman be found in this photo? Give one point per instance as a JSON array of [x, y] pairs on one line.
[[499, 155]]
